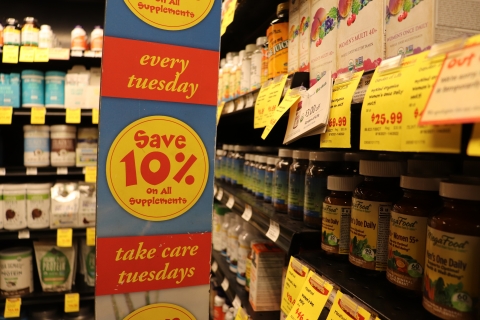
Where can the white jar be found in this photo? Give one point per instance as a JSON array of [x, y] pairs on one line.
[[14, 209], [16, 272], [36, 146], [62, 152], [38, 205], [96, 39], [79, 39], [45, 37]]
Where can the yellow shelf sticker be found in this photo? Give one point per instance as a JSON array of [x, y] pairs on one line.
[[12, 307], [260, 105], [290, 100], [59, 54], [473, 148], [295, 278], [73, 115], [273, 98], [228, 16], [10, 54], [95, 116], [41, 55], [64, 237], [220, 110], [339, 124], [345, 308], [91, 174], [72, 302], [91, 237], [37, 115], [241, 315], [6, 115], [27, 54]]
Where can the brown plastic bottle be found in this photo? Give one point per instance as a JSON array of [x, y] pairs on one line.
[[280, 180], [336, 213], [451, 283], [371, 204], [296, 184]]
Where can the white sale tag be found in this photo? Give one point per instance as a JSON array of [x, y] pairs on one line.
[[62, 170], [225, 284], [236, 302], [247, 214], [24, 234], [273, 231], [214, 266], [31, 171], [219, 194], [230, 202]]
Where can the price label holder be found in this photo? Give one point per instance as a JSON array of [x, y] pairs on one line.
[[6, 115], [91, 174], [220, 110], [76, 53], [381, 118], [62, 171], [290, 100], [295, 278], [231, 201], [219, 194], [312, 298], [260, 105], [37, 115], [59, 54], [27, 54], [273, 231], [31, 171], [10, 54], [228, 16], [236, 302], [91, 237], [3, 171], [214, 266], [12, 307], [95, 116], [473, 148], [241, 315], [72, 302], [346, 309], [247, 213], [239, 103], [338, 132], [64, 237], [225, 284], [249, 100], [41, 55], [73, 115], [273, 98], [24, 234]]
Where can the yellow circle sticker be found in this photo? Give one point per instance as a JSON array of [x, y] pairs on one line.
[[160, 311], [157, 168], [170, 14]]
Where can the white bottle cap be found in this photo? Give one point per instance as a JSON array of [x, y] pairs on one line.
[[250, 47], [241, 55], [301, 154], [343, 183], [261, 41], [223, 62], [326, 156], [272, 160], [285, 153], [420, 183], [386, 169], [460, 191], [235, 60], [262, 159]]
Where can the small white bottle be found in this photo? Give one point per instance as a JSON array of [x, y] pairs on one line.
[[256, 64], [79, 39], [96, 39], [245, 238], [227, 91], [233, 85], [246, 66], [224, 233], [218, 218], [232, 246], [45, 37], [229, 314]]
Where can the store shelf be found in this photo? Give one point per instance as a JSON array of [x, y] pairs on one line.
[[60, 65], [38, 234], [50, 112], [236, 290], [43, 171], [376, 293], [294, 235]]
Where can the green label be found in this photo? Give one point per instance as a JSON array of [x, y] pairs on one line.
[[38, 196], [13, 197], [280, 191], [90, 262], [296, 191], [55, 267]]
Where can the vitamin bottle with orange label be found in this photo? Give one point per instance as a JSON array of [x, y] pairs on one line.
[[371, 204], [408, 226], [451, 283], [277, 35]]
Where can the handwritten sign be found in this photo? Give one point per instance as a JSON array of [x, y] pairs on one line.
[[273, 98], [260, 105], [290, 100]]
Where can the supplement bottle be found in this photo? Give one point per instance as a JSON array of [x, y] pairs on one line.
[[78, 39], [30, 32], [269, 174], [246, 172], [451, 283], [223, 163], [322, 164], [280, 178], [219, 212], [248, 234], [246, 66], [277, 35], [62, 153], [228, 220], [229, 163], [237, 165], [227, 93], [264, 71], [248, 265], [218, 303], [15, 206], [232, 246], [296, 184], [253, 174], [371, 205], [36, 146], [233, 85], [11, 32], [218, 164], [45, 37], [260, 177], [408, 225], [351, 162], [256, 64], [220, 80], [38, 205], [337, 208], [96, 39]]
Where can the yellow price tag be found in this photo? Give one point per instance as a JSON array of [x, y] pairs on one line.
[[41, 55], [91, 174], [64, 237], [95, 116], [290, 100], [345, 308], [10, 54], [37, 115], [260, 105], [228, 16], [12, 307], [6, 115], [91, 237], [295, 278], [273, 98], [220, 110], [73, 115], [241, 315], [312, 298], [72, 302], [473, 148], [27, 54], [339, 125], [59, 54]]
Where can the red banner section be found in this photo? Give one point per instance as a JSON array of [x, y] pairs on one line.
[[133, 264], [153, 71]]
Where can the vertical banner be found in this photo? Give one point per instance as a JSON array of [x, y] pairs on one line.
[[155, 163]]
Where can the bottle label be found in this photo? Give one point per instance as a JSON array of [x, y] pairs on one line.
[[336, 228], [406, 250], [451, 282], [277, 49], [254, 179], [296, 191], [260, 183], [247, 176], [268, 185], [255, 70], [228, 169], [280, 191], [243, 252], [232, 250], [369, 234], [237, 176], [244, 76], [248, 268], [30, 36], [223, 242], [315, 192], [11, 36]]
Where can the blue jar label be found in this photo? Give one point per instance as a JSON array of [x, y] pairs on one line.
[[35, 144], [237, 176], [315, 192], [280, 190], [268, 185], [260, 182], [296, 191]]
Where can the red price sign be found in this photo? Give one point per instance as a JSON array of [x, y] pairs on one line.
[[157, 168], [337, 122], [381, 118]]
